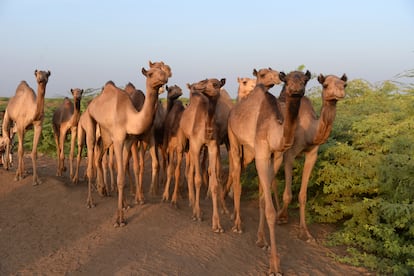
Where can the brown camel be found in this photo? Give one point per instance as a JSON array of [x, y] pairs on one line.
[[120, 124], [65, 118], [310, 133], [175, 109], [256, 131], [246, 86], [26, 110], [198, 126]]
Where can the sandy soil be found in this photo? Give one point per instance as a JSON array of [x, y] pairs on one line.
[[47, 230]]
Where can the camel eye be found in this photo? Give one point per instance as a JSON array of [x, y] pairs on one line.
[[325, 85], [245, 82], [262, 75]]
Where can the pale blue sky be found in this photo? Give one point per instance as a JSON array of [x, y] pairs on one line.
[[86, 43]]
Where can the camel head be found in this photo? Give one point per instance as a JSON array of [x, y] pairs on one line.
[[174, 92], [295, 83], [209, 87], [333, 87], [246, 86], [42, 76], [156, 77], [267, 76], [76, 93], [161, 65]]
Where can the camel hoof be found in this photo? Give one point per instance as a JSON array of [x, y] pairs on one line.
[[218, 230], [174, 205], [262, 244], [120, 224], [237, 230], [275, 274], [90, 205]]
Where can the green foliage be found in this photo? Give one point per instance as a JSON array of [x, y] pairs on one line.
[[364, 178]]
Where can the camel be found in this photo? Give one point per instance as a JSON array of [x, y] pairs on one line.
[[65, 118], [310, 134], [120, 124], [198, 126], [26, 110], [175, 109], [257, 130]]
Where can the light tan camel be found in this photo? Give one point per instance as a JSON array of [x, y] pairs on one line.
[[26, 110], [65, 118], [255, 132], [198, 126], [152, 140], [175, 109], [120, 124], [310, 133]]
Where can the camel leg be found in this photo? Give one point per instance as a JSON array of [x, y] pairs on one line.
[[195, 161], [81, 140], [220, 185], [105, 165], [57, 141], [37, 128], [265, 172], [170, 170], [20, 152], [112, 168], [234, 175], [120, 181], [310, 160], [177, 174], [261, 237], [287, 194], [62, 152], [90, 145], [213, 171], [155, 167], [190, 179], [100, 182], [73, 132], [138, 156]]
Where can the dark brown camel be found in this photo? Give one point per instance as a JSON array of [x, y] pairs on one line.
[[198, 126], [66, 118], [120, 124], [26, 110], [256, 132], [310, 133], [175, 109]]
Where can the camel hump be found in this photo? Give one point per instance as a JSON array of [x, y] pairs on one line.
[[23, 87]]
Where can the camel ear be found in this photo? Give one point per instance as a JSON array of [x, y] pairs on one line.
[[35, 72], [222, 82], [189, 86], [308, 74], [48, 73], [144, 72], [255, 72], [150, 63], [81, 91], [344, 77], [166, 87], [71, 91], [282, 76], [238, 80], [321, 79]]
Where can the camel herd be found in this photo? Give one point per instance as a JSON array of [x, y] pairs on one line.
[[122, 124]]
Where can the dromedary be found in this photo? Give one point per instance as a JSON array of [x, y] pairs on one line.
[[26, 109], [175, 109], [197, 125], [120, 123], [310, 133], [65, 118], [255, 132]]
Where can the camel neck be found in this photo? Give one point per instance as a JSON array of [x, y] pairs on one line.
[[325, 122], [291, 119], [149, 107], [76, 112], [40, 101]]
